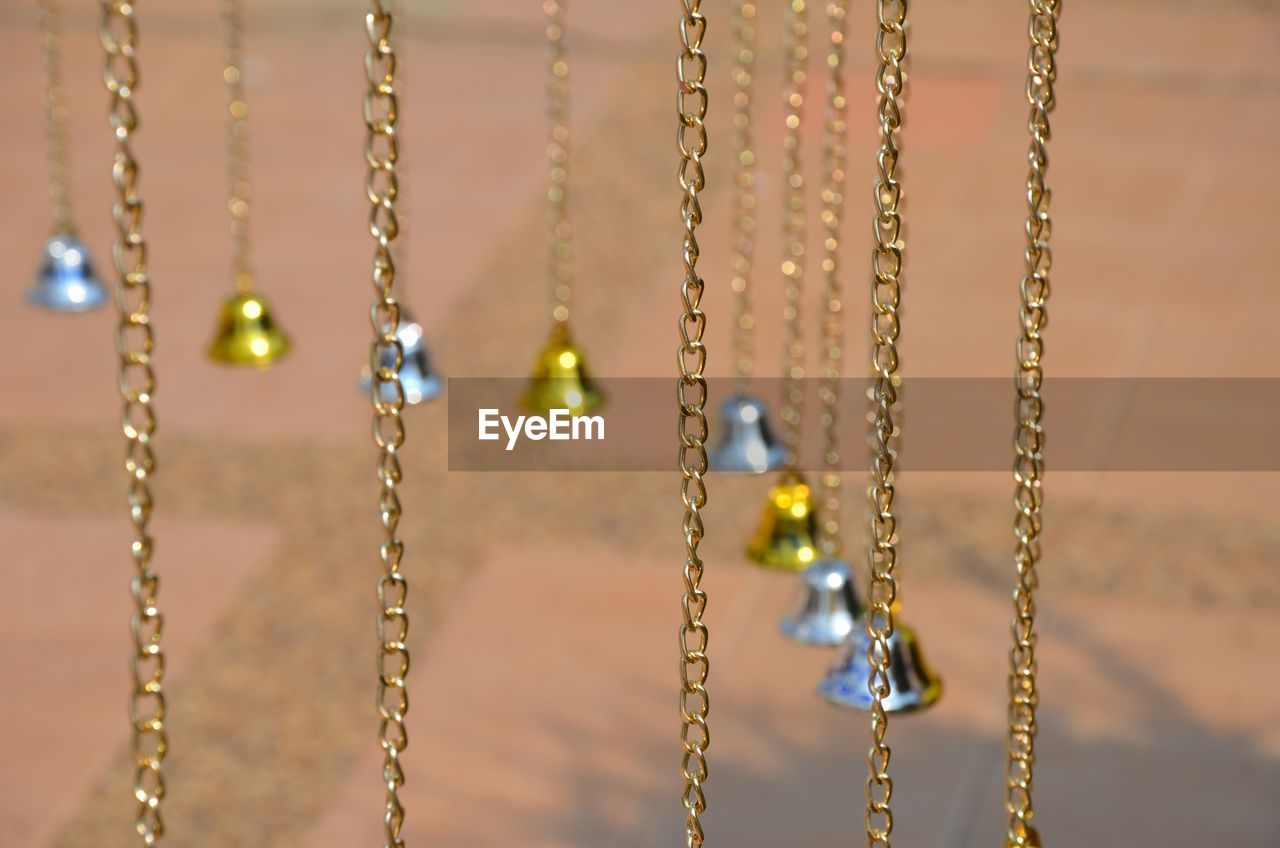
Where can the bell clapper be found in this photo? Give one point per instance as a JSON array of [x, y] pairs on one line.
[[786, 536], [560, 378], [745, 440], [65, 280], [246, 333]]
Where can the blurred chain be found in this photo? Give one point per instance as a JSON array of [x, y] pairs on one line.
[[561, 259], [797, 48], [835, 164], [886, 261], [135, 342], [238, 176], [744, 36], [386, 357], [1028, 440], [692, 395], [55, 106]]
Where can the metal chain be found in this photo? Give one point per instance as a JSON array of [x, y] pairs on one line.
[[135, 342], [240, 188], [835, 165], [742, 260], [55, 106], [1028, 440], [792, 410], [886, 266], [561, 258], [691, 138], [386, 357]]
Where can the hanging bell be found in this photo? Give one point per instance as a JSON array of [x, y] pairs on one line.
[[748, 444], [246, 334], [913, 685], [560, 379], [828, 608], [785, 537], [417, 377], [66, 281]]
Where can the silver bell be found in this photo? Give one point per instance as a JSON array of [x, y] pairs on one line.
[[748, 443], [913, 685], [417, 377], [66, 281], [828, 608]]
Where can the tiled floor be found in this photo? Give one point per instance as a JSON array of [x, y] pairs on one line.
[[545, 610]]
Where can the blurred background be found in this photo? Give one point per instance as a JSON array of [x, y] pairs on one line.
[[545, 606]]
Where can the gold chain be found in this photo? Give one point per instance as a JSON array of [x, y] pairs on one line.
[[561, 258], [792, 410], [240, 187], [135, 342], [835, 164], [55, 103], [692, 396], [1028, 441], [744, 35], [882, 554], [382, 153]]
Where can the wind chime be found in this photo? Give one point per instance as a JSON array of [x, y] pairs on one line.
[[748, 443], [829, 611], [829, 606], [882, 657], [885, 653], [65, 281], [785, 537], [246, 333], [560, 377]]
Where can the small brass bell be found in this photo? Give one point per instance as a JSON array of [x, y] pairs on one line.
[[560, 379], [66, 281], [828, 608], [417, 377], [246, 334], [785, 537], [748, 444], [913, 685]]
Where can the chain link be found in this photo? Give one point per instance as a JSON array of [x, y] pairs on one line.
[[56, 113], [794, 223], [1028, 440], [386, 357], [882, 554], [135, 342], [561, 233], [835, 165], [240, 188], [692, 395], [743, 258]]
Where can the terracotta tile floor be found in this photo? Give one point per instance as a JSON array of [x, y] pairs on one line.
[[545, 609]]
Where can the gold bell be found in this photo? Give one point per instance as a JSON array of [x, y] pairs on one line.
[[560, 379], [246, 334], [785, 538]]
